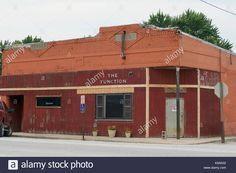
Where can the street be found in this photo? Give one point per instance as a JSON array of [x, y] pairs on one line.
[[16, 146]]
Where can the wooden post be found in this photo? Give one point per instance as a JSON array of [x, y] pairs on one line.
[[177, 104], [198, 104], [222, 114], [222, 129], [147, 102], [83, 126]]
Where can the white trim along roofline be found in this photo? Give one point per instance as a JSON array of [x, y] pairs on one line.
[[188, 35]]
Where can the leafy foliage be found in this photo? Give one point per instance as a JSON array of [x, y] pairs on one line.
[[28, 39], [193, 23], [3, 44], [160, 19]]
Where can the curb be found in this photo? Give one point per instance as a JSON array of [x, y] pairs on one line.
[[184, 141]]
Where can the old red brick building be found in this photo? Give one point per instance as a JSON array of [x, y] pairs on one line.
[[128, 76]]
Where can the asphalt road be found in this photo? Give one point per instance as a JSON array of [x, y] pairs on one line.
[[16, 146]]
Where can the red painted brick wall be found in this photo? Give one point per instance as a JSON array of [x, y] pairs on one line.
[[210, 113], [158, 107], [132, 76], [68, 118], [168, 76]]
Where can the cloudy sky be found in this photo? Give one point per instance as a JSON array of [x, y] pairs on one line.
[[65, 19]]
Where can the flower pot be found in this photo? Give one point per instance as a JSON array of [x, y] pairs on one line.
[[95, 133], [127, 134], [111, 133]]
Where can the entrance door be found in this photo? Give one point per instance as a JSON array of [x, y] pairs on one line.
[[171, 117], [16, 102]]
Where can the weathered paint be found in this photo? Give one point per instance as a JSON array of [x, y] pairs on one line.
[[210, 113], [123, 77], [67, 119]]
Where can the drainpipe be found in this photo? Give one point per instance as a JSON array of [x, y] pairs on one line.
[[123, 56]]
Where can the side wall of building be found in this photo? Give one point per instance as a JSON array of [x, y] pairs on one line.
[[228, 76], [205, 56]]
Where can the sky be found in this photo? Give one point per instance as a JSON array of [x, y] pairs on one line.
[[66, 19]]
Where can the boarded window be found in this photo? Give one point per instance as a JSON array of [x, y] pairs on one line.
[[128, 37], [48, 101], [114, 106]]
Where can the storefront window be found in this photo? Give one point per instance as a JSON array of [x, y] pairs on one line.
[[114, 106]]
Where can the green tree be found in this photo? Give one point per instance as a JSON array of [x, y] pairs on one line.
[[160, 19], [3, 44], [193, 23], [31, 39], [28, 39], [16, 42]]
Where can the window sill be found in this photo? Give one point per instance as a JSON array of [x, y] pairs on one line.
[[48, 107], [122, 120]]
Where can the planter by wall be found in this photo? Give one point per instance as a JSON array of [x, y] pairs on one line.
[[95, 133], [111, 133], [127, 134]]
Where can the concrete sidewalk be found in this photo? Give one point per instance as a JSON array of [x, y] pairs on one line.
[[182, 141]]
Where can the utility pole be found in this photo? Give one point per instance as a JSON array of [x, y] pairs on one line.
[[177, 104], [83, 126], [222, 113]]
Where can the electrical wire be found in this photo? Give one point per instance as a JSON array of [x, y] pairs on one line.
[[218, 7]]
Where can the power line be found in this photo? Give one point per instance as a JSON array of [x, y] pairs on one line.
[[218, 7]]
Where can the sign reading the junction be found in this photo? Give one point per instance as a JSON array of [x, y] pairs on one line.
[[112, 79]]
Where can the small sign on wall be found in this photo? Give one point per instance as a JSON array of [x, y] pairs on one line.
[[82, 103], [173, 109]]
